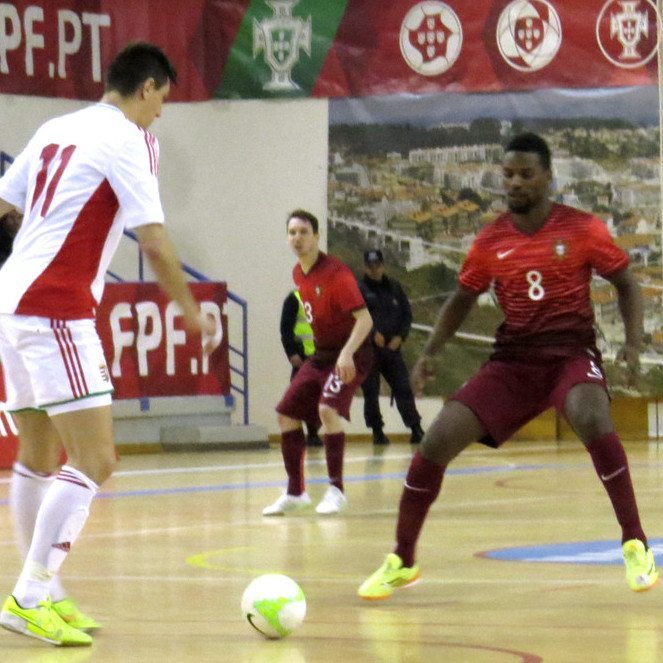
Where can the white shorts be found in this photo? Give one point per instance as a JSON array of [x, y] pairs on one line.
[[53, 365]]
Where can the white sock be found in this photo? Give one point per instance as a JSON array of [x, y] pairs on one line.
[[60, 519], [26, 492]]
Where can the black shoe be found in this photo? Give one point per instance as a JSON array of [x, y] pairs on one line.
[[314, 441], [379, 437], [417, 434]]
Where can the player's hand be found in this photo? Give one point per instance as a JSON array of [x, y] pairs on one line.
[[211, 333], [631, 356], [345, 368], [422, 372], [395, 343], [205, 325], [378, 338]]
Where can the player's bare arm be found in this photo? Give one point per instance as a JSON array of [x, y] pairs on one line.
[[629, 299], [158, 248], [345, 365], [451, 316]]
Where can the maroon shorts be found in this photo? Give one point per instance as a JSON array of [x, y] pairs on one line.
[[505, 395], [316, 383]]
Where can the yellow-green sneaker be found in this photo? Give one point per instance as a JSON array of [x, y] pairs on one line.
[[42, 623], [70, 613], [391, 575], [641, 573]]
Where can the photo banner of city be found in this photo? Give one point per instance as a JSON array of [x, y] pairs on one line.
[[419, 176]]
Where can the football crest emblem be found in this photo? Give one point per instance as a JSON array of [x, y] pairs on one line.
[[431, 38], [627, 32], [529, 34], [559, 249]]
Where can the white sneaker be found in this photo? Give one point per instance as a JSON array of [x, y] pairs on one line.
[[332, 502], [287, 503]]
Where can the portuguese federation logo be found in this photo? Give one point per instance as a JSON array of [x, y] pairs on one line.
[[529, 34], [627, 32], [281, 37], [431, 38]]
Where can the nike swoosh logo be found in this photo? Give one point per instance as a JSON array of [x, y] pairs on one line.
[[607, 477], [503, 254], [30, 620]]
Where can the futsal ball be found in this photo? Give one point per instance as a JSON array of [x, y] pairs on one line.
[[274, 605]]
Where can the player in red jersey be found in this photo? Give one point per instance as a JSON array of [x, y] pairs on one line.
[[325, 384], [540, 257]]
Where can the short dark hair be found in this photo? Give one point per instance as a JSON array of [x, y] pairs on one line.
[[307, 216], [531, 142], [134, 64]]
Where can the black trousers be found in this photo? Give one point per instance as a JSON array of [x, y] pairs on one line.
[[390, 364]]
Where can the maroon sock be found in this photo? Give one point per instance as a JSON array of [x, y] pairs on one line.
[[611, 465], [293, 448], [334, 448], [421, 488]]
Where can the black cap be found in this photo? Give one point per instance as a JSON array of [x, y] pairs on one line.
[[373, 257]]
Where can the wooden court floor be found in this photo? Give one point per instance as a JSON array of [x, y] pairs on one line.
[[509, 562]]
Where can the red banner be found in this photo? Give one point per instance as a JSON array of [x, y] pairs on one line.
[[490, 45], [148, 351], [256, 48]]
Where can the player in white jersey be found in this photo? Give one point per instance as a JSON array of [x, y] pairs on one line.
[[81, 180]]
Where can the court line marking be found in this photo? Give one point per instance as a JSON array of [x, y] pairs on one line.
[[309, 461], [278, 483]]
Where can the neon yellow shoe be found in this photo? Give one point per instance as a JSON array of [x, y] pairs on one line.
[[391, 575], [42, 623], [641, 573], [70, 613]]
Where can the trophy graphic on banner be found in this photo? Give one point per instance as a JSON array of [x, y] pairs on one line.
[[281, 37], [629, 26]]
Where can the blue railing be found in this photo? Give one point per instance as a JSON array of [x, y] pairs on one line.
[[241, 354], [5, 160]]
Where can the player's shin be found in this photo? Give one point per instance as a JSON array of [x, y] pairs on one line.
[[421, 488], [61, 518]]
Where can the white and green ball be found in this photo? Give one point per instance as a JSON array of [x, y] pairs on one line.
[[274, 605]]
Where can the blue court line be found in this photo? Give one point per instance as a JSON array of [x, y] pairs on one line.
[[487, 469], [573, 552]]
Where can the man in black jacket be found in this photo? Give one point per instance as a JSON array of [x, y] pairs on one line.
[[392, 316]]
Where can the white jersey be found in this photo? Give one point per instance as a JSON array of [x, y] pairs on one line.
[[81, 180]]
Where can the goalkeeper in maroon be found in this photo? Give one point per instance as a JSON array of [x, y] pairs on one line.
[[539, 257]]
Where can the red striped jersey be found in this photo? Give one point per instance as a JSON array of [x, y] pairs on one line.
[[330, 294], [81, 180], [542, 280]]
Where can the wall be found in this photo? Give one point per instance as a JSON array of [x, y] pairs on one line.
[[230, 172]]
